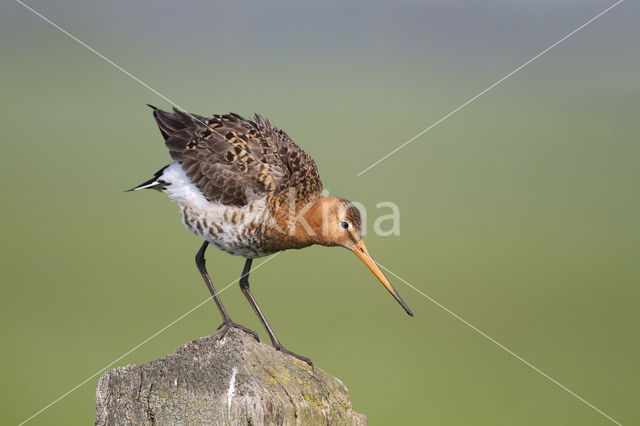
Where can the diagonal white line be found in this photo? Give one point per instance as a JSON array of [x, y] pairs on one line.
[[133, 77], [163, 329], [489, 88], [77, 40], [501, 346]]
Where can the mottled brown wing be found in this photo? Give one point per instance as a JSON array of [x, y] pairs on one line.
[[303, 175], [230, 159]]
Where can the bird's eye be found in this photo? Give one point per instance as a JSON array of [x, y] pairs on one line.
[[345, 225]]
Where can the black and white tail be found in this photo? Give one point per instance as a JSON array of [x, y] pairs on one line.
[[155, 182]]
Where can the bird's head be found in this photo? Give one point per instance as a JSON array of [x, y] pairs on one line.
[[341, 225]]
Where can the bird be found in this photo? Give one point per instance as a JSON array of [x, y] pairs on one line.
[[244, 187]]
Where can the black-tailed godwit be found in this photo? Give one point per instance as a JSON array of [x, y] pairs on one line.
[[246, 188]]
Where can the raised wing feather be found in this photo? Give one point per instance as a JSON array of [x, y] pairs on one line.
[[231, 159], [303, 175]]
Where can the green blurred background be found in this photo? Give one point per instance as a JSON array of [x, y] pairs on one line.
[[520, 213]]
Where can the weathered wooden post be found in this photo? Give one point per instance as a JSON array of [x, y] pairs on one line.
[[235, 380]]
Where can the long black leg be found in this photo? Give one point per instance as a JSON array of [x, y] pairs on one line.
[[226, 320], [244, 286]]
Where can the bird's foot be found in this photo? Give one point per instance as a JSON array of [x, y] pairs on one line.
[[288, 352], [228, 325]]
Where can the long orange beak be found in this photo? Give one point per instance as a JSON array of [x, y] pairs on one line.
[[361, 251]]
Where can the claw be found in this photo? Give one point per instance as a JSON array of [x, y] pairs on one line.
[[288, 352], [230, 324]]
